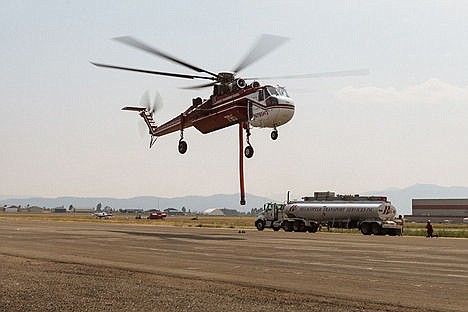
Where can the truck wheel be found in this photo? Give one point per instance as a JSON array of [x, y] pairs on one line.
[[276, 228], [299, 226], [313, 228], [365, 229], [295, 227], [287, 227], [375, 228], [260, 225]]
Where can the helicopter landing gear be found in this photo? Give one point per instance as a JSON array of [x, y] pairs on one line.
[[248, 151], [182, 144], [274, 134]]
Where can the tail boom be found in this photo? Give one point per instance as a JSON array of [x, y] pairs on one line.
[[147, 117], [149, 121]]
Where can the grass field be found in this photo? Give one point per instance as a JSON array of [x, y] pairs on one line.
[[187, 221], [441, 229], [419, 229], [235, 222]]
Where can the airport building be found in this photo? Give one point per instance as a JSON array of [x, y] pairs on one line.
[[439, 210], [59, 210], [83, 209], [213, 212], [32, 209], [11, 209]]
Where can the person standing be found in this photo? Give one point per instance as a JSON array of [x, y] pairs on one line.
[[429, 229]]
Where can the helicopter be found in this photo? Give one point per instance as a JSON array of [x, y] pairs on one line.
[[234, 99]]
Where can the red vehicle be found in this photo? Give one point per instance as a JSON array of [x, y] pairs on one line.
[[157, 215]]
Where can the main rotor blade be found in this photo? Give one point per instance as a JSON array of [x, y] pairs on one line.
[[343, 73], [143, 46], [154, 72], [206, 85], [266, 44]]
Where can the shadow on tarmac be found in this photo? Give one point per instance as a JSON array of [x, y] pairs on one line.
[[215, 237]]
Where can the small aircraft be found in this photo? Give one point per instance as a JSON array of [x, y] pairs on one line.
[[103, 214], [233, 100]]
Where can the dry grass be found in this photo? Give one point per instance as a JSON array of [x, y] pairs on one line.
[[242, 222], [441, 229], [419, 229], [185, 221]]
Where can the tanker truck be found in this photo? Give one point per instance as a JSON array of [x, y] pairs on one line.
[[370, 214]]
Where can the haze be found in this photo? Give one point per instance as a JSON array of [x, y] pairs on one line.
[[62, 131]]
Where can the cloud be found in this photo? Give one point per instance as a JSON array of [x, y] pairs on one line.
[[430, 92]]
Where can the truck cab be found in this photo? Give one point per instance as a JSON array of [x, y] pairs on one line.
[[275, 216], [270, 217]]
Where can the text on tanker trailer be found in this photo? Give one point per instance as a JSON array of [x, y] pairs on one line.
[[370, 214]]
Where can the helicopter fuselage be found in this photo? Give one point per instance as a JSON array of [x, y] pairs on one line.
[[260, 106]]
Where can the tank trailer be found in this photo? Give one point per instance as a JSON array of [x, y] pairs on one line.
[[370, 214]]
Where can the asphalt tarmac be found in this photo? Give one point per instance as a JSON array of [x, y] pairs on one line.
[[81, 266]]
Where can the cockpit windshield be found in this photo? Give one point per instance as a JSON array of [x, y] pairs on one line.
[[275, 91], [282, 91], [272, 91]]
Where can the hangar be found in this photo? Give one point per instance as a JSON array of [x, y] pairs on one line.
[[451, 210], [213, 212]]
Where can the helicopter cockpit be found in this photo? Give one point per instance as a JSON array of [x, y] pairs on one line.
[[276, 91], [271, 94]]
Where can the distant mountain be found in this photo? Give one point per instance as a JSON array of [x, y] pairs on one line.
[[194, 203], [2, 197], [401, 198]]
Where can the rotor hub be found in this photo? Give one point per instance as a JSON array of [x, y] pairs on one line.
[[226, 77]]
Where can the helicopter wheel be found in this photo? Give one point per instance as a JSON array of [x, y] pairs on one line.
[[249, 151], [274, 135], [182, 147]]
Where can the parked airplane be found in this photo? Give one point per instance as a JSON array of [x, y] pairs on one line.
[[105, 215]]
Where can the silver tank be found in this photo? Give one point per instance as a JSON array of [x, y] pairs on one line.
[[341, 210]]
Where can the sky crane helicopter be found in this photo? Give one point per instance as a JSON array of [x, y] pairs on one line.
[[233, 101]]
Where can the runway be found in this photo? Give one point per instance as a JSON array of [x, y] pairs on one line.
[[76, 266]]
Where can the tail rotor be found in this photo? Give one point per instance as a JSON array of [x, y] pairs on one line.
[[151, 104], [148, 106]]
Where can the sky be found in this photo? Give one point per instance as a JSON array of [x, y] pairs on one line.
[[62, 131]]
